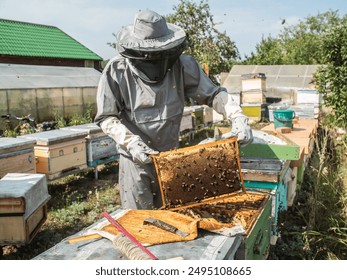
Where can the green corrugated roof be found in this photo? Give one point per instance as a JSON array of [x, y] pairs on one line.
[[36, 40]]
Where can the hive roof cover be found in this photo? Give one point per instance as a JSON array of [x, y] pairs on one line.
[[37, 40]]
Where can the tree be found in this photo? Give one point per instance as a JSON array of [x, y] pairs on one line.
[[332, 77], [296, 44], [268, 52], [210, 47]]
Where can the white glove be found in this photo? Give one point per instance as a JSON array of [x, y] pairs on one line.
[[125, 138], [224, 104], [241, 129], [140, 151]]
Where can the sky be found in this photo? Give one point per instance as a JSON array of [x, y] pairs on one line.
[[93, 22]]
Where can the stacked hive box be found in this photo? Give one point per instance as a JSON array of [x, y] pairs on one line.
[[253, 96], [16, 155], [198, 116], [266, 166], [59, 152], [23, 207], [100, 147], [273, 177], [187, 120]]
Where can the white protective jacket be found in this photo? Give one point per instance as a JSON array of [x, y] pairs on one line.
[[137, 114], [128, 107]]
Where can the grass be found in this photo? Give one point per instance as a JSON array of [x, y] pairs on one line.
[[316, 226]]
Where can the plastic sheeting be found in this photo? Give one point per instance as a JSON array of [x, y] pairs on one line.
[[17, 76], [277, 76]]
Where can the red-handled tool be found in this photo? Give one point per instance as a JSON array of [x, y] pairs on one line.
[[127, 234]]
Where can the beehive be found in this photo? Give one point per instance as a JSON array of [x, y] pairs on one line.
[[205, 181], [101, 148], [16, 155], [59, 152], [23, 207]]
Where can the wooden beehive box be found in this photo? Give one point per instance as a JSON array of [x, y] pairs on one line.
[[186, 124], [255, 111], [205, 181], [253, 81], [23, 207], [59, 152], [253, 96], [101, 148], [16, 155]]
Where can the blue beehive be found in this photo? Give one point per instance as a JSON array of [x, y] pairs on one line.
[[274, 182]]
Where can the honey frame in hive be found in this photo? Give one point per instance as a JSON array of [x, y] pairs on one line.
[[194, 174]]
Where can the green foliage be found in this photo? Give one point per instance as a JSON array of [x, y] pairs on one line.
[[297, 44], [332, 77], [315, 227], [268, 52], [204, 42], [61, 122], [77, 119]]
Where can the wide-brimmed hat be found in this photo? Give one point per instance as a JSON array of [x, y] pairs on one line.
[[150, 32]]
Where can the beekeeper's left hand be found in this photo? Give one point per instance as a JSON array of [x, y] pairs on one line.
[[241, 129], [224, 104]]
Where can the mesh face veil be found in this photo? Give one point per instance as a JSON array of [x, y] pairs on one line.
[[153, 66]]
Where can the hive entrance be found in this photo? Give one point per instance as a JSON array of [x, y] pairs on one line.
[[192, 174]]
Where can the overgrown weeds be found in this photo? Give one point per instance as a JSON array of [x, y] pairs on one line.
[[316, 226]]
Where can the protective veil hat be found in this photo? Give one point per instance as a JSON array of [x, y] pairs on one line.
[[150, 32]]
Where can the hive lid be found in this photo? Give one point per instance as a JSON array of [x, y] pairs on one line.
[[22, 193], [253, 76], [193, 174], [88, 127], [10, 144], [55, 136]]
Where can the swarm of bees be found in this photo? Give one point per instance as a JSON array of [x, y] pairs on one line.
[[192, 175]]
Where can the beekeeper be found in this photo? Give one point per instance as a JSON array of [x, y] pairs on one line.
[[140, 102]]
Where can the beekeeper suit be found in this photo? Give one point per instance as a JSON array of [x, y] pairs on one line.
[[140, 102]]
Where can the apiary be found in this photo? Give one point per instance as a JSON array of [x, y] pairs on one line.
[[16, 155], [100, 148], [59, 152], [205, 182], [23, 207]]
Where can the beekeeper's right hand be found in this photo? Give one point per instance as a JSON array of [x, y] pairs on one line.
[[138, 150]]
